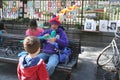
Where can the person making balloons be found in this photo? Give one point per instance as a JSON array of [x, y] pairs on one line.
[[49, 37]]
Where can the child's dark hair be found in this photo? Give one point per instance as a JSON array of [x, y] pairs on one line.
[[2, 26], [31, 44], [33, 24]]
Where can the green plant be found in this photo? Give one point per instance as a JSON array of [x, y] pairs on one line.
[[77, 25], [102, 16], [47, 14], [79, 16], [17, 20]]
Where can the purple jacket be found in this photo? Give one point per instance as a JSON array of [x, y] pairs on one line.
[[61, 40]]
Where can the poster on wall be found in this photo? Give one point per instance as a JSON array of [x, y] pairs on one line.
[[118, 26], [79, 3], [14, 4], [37, 4], [63, 3], [112, 26], [30, 4], [58, 4], [10, 4], [72, 3], [68, 3], [103, 25], [114, 0], [49, 4], [90, 25], [21, 4]]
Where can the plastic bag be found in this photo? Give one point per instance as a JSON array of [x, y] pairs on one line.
[[64, 55]]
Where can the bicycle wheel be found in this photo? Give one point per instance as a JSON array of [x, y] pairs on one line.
[[105, 56]]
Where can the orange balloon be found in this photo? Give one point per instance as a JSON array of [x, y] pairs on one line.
[[63, 11]]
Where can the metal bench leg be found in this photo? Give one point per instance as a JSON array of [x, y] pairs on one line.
[[68, 76]]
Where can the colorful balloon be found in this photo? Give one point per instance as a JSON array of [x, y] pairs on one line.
[[63, 11]]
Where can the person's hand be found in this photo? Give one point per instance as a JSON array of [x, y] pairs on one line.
[[47, 35], [52, 39]]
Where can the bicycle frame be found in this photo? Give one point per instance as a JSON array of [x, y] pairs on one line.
[[115, 51]]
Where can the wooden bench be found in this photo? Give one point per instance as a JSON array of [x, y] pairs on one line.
[[74, 44]]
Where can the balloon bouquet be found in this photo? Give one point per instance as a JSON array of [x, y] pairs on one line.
[[66, 10]]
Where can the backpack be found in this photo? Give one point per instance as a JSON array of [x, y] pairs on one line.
[[64, 55]]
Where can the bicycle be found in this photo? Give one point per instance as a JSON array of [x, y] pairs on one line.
[[110, 53]]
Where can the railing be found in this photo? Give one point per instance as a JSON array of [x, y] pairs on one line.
[[44, 9]]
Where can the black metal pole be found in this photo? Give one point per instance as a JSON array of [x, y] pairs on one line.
[[23, 10], [2, 10], [82, 13]]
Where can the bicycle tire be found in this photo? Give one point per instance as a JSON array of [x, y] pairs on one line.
[[105, 53]]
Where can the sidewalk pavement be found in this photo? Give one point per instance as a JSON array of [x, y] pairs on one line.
[[87, 67]]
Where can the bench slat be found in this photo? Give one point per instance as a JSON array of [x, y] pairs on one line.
[[8, 60]]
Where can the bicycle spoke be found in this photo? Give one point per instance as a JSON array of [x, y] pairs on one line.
[[116, 59], [105, 57]]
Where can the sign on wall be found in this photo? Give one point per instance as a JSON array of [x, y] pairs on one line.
[[112, 26], [114, 0], [103, 25], [90, 25], [30, 4], [37, 4]]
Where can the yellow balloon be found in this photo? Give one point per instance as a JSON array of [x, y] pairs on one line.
[[63, 11]]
